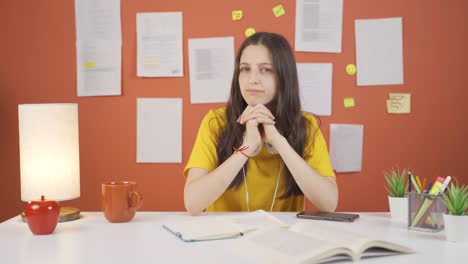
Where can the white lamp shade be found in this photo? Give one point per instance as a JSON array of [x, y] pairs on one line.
[[49, 151]]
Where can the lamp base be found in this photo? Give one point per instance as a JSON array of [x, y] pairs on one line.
[[66, 214], [69, 214]]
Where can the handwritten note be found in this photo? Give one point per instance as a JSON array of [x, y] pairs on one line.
[[399, 103]]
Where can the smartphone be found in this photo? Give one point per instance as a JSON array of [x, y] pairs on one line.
[[341, 217]]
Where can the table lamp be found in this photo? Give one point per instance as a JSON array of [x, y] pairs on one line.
[[49, 154]]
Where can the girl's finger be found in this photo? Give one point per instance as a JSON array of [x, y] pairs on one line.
[[249, 109], [253, 116], [263, 120], [263, 109]]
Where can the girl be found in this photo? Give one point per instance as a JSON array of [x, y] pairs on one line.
[[260, 151]]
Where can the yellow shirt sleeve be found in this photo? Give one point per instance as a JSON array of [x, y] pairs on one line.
[[204, 150], [316, 151]]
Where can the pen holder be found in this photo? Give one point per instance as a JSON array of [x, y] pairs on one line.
[[425, 212]]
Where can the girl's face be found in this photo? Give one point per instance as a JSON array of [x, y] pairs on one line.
[[256, 75]]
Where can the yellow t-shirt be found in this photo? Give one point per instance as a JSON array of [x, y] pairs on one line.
[[262, 170]]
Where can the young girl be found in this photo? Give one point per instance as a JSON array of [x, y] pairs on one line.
[[260, 151]]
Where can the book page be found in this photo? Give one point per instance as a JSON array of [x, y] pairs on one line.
[[255, 220], [378, 248], [354, 242], [280, 245]]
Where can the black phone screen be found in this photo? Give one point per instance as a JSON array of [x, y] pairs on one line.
[[342, 217]]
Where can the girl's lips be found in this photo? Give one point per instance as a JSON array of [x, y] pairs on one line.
[[253, 91]]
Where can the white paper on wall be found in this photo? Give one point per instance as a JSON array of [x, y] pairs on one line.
[[379, 51], [315, 86], [211, 65], [159, 45], [98, 47], [98, 68], [346, 143], [319, 25], [159, 130]]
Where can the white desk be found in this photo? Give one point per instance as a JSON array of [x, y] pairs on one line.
[[92, 239]]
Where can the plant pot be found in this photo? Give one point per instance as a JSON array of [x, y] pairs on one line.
[[456, 227], [398, 208]]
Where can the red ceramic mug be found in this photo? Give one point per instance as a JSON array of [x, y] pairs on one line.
[[120, 200]]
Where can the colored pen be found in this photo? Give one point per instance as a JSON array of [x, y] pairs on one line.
[[419, 183], [424, 184], [428, 187], [413, 180], [409, 182], [445, 184], [437, 186]]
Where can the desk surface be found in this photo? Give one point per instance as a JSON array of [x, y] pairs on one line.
[[92, 239]]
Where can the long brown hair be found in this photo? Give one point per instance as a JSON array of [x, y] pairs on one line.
[[286, 106]]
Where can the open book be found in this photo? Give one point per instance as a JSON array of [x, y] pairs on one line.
[[311, 243], [202, 228]]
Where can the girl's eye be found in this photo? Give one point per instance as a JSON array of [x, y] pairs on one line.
[[243, 69], [265, 70]]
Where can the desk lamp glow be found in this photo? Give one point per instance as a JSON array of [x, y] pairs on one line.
[[49, 154]]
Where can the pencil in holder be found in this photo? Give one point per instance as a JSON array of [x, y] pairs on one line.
[[425, 212]]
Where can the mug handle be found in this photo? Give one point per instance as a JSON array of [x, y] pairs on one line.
[[135, 200]]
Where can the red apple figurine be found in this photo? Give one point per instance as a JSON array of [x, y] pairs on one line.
[[42, 216]]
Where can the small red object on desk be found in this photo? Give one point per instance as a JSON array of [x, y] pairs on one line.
[[42, 216]]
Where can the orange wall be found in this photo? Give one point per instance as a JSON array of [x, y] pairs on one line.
[[37, 65]]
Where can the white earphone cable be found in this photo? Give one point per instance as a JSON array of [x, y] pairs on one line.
[[276, 188], [274, 195], [246, 190]]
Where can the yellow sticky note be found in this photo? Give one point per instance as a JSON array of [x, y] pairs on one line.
[[399, 103], [249, 32], [279, 10], [237, 15], [90, 65], [351, 69], [349, 102]]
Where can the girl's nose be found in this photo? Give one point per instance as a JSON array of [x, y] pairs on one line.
[[253, 77]]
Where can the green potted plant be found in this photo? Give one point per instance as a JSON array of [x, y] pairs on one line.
[[397, 188], [456, 221]]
